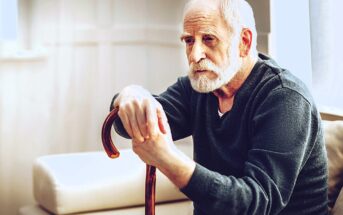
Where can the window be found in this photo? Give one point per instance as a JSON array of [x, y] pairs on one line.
[[326, 48], [8, 25], [8, 19]]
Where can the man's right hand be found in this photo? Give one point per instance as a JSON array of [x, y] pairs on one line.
[[141, 114]]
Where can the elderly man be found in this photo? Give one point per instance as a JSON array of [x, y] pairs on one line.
[[258, 142]]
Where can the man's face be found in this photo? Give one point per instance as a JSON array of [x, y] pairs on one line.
[[212, 50]]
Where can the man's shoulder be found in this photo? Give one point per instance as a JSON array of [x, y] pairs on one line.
[[277, 78]]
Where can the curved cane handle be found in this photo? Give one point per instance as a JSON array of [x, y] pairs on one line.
[[112, 152], [109, 147]]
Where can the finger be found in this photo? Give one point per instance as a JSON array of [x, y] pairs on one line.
[[141, 119], [136, 134], [151, 119], [162, 120], [125, 121], [115, 102]]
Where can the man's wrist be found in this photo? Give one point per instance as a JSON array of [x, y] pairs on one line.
[[178, 168]]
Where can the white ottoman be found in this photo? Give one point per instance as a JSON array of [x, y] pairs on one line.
[[88, 182]]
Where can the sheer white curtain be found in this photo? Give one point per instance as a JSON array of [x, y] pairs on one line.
[[327, 45], [56, 102]]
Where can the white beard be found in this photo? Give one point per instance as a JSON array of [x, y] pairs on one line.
[[202, 84]]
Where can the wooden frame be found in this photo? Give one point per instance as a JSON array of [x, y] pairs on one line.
[[331, 116]]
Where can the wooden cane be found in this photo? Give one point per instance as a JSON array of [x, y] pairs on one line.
[[112, 152]]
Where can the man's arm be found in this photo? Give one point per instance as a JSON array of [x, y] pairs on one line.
[[284, 131]]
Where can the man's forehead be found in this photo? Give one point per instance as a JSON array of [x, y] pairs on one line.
[[204, 11], [204, 20], [200, 30]]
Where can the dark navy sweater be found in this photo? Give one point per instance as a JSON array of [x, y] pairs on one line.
[[265, 156]]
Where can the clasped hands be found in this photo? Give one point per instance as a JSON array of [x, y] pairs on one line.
[[146, 123]]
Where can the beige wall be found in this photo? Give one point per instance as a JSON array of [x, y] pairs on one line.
[[263, 25]]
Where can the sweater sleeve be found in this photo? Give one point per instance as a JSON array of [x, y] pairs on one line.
[[282, 136], [176, 104]]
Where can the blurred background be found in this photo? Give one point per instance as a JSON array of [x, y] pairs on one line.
[[61, 62]]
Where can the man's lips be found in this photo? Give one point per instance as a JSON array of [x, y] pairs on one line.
[[203, 72], [200, 71]]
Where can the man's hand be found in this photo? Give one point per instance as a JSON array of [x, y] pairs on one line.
[[140, 113], [160, 151], [156, 149], [146, 123]]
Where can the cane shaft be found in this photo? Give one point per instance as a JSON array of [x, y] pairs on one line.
[[112, 152]]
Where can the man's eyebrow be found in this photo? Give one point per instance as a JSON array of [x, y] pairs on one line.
[[206, 32], [184, 35]]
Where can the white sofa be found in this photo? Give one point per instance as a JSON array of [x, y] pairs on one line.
[[92, 184]]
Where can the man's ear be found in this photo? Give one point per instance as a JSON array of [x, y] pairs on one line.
[[245, 42]]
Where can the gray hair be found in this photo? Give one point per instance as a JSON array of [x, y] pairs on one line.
[[238, 14]]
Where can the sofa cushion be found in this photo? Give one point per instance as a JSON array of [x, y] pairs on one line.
[[333, 133], [70, 183]]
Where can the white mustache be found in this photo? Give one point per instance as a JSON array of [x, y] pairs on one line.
[[205, 65]]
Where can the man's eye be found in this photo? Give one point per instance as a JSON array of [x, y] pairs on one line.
[[189, 40], [208, 39]]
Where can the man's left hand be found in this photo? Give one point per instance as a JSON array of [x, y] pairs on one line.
[[160, 151]]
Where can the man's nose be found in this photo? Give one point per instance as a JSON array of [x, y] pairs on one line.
[[197, 53]]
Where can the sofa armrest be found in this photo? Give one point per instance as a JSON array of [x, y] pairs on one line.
[[71, 183]]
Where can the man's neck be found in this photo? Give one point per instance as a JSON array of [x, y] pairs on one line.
[[226, 94]]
